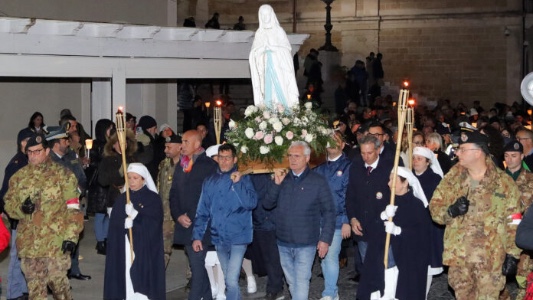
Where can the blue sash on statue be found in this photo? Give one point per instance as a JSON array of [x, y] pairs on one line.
[[271, 81]]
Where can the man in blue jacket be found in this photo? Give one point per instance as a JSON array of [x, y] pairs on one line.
[[336, 172], [227, 202], [305, 218]]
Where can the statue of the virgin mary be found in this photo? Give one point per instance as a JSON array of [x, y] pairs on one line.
[[271, 64]]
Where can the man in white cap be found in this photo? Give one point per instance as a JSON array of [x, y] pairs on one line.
[[62, 154]]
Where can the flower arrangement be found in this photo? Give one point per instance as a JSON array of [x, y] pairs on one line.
[[266, 134]]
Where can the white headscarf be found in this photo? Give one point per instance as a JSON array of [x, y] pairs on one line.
[[414, 183], [434, 165], [143, 171]]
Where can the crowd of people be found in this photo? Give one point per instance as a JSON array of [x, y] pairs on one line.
[[456, 209]]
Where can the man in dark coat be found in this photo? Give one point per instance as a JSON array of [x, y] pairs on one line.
[[366, 197], [184, 196], [305, 218]]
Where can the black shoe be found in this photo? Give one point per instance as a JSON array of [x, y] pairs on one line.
[[275, 296], [79, 276], [101, 247]]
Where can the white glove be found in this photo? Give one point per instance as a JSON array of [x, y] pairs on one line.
[[130, 211], [128, 223], [392, 229], [389, 212]]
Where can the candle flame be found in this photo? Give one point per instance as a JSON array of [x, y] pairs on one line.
[[411, 102], [88, 144], [406, 83], [120, 109], [218, 103]]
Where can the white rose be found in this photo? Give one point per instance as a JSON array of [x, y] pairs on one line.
[[266, 114], [263, 125], [308, 138], [308, 105], [264, 149], [296, 121], [249, 132], [305, 120], [278, 140], [250, 110], [244, 149], [231, 124], [285, 121], [277, 126], [273, 120]]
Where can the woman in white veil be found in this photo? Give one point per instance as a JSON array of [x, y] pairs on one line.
[[271, 64]]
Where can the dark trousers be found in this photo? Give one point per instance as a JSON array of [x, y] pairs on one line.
[[200, 286], [266, 241]]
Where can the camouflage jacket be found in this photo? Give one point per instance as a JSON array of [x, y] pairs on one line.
[[50, 186], [164, 183], [525, 185], [484, 232]]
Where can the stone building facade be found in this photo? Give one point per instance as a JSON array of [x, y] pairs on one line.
[[458, 50]]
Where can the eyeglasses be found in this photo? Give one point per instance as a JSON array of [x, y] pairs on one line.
[[376, 134], [464, 150], [226, 158], [524, 138], [34, 152]]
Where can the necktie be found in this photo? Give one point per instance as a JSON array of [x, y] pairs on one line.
[[368, 170]]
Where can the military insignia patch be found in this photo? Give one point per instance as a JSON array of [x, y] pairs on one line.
[[167, 139], [516, 146], [464, 137], [38, 139]]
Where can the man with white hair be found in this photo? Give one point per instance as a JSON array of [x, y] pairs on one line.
[[305, 218]]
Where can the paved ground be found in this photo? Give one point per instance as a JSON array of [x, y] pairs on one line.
[[93, 264]]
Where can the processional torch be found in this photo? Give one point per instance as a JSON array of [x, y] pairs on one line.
[[121, 134], [217, 119], [402, 112]]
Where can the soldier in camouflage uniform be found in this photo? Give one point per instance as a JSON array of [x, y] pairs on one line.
[[479, 236], [58, 142], [164, 182], [524, 180], [44, 197]]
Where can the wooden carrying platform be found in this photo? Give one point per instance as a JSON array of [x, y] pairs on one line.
[[258, 167]]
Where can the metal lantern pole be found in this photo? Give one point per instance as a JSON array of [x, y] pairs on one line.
[[328, 46]]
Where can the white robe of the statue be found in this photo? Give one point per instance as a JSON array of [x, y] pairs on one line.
[[271, 64]]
